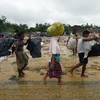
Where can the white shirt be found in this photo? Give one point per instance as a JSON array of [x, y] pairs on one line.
[[84, 46], [54, 46], [80, 46]]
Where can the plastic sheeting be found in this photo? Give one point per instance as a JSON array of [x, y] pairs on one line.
[[5, 45], [95, 50], [34, 46]]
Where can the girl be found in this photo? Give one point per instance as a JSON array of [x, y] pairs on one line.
[[55, 70], [21, 56]]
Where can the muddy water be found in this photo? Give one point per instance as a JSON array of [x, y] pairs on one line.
[[31, 86]]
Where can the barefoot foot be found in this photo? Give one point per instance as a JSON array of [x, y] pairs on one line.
[[44, 81], [84, 76], [21, 75], [71, 72], [61, 83]]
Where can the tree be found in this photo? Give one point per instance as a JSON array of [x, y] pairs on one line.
[[3, 19]]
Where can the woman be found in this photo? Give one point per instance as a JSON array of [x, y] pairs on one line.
[[55, 70]]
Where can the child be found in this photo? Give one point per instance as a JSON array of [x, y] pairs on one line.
[[21, 56], [55, 70], [82, 53]]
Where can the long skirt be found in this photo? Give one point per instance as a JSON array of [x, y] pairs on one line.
[[56, 72], [22, 60]]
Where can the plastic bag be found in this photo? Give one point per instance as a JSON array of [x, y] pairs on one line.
[[56, 29], [95, 50], [71, 43], [34, 46], [2, 58], [5, 44]]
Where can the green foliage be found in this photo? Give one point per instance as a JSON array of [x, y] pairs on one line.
[[7, 26]]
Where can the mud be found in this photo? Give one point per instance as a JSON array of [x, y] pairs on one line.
[[31, 86]]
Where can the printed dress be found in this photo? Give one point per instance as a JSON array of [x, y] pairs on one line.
[[56, 72]]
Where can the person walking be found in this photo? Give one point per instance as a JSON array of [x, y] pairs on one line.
[[55, 70], [21, 56], [83, 53]]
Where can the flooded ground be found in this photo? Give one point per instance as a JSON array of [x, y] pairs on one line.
[[31, 86]]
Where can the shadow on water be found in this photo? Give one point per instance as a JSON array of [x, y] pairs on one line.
[[14, 80]]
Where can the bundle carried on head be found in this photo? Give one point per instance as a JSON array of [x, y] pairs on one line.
[[56, 29]]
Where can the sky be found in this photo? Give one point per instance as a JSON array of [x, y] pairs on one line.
[[30, 12]]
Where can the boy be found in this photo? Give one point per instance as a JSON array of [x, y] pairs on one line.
[[21, 56], [83, 60]]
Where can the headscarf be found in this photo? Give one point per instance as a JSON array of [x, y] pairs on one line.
[[54, 46]]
